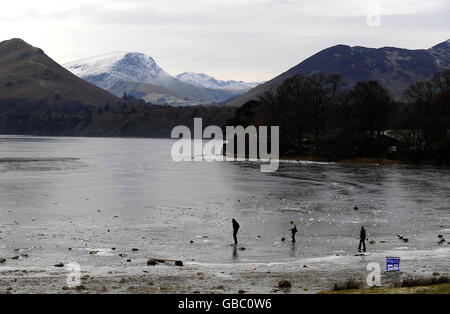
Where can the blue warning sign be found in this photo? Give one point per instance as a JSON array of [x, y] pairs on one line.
[[392, 263]]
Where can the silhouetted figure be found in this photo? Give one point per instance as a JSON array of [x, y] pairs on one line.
[[362, 239], [235, 230], [293, 231]]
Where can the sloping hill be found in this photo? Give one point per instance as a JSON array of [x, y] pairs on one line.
[[394, 68], [27, 73]]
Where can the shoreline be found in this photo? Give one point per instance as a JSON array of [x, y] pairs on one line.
[[187, 281], [307, 276], [357, 161], [429, 289], [299, 158]]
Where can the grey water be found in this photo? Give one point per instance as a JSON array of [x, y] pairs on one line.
[[61, 198]]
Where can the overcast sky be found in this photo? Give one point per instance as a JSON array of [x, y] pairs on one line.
[[252, 40]]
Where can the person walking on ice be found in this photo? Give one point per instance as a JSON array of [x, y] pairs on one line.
[[293, 231], [235, 230], [362, 239]]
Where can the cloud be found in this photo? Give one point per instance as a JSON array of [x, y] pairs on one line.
[[231, 39]]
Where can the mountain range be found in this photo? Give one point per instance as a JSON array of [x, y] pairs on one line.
[[31, 76], [394, 68], [139, 75]]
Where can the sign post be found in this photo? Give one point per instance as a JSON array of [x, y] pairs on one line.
[[392, 264]]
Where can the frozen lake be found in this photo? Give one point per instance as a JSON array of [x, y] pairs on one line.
[[87, 194]]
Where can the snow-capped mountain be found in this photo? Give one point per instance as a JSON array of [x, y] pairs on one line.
[[125, 66], [206, 81], [138, 75]]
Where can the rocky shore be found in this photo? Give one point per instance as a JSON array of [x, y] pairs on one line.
[[306, 276]]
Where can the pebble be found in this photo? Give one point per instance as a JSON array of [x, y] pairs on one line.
[[151, 262], [284, 284], [179, 263]]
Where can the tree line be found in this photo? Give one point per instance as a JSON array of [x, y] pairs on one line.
[[321, 116], [130, 118]]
